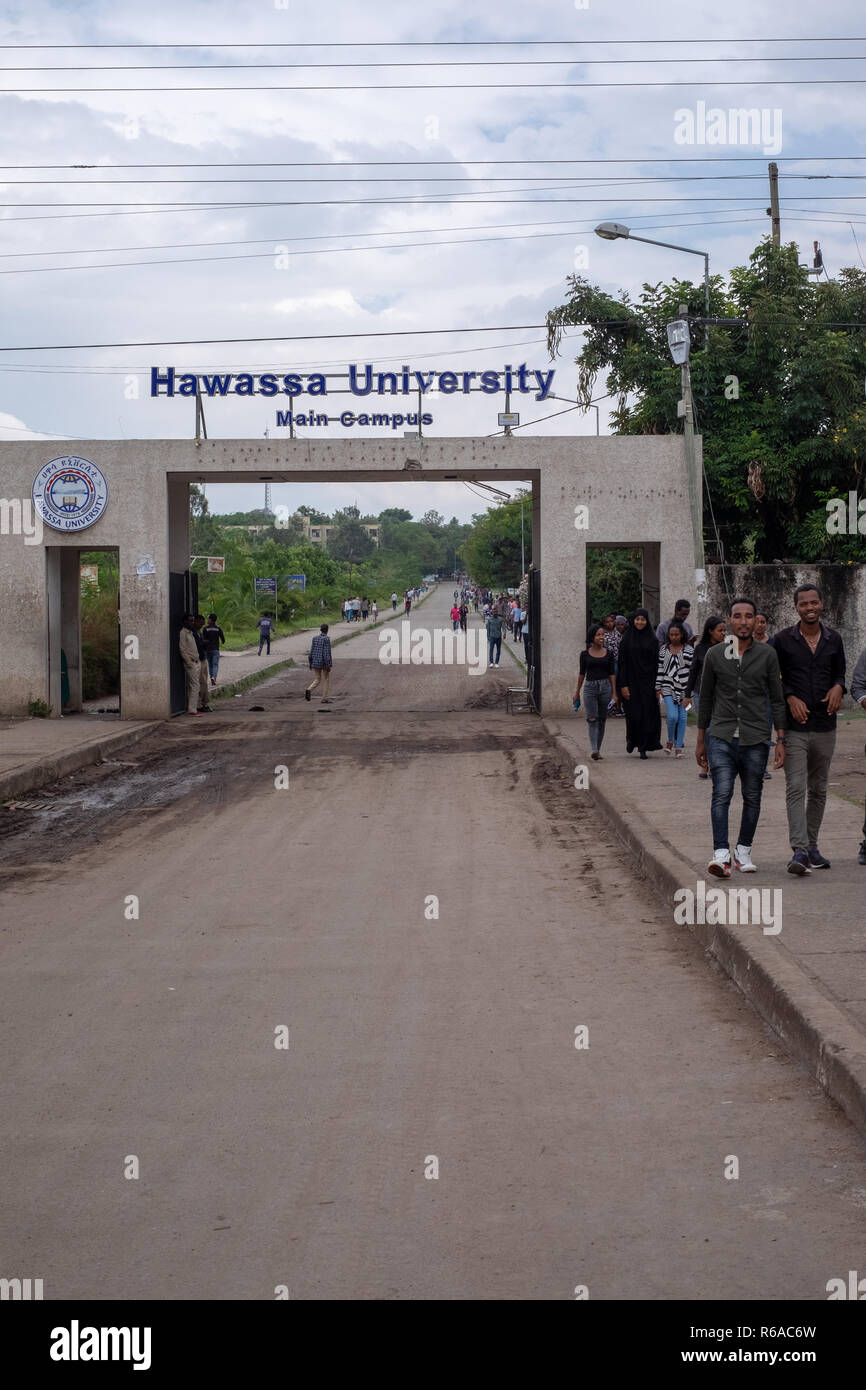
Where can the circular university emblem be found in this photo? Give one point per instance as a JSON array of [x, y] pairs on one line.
[[70, 493]]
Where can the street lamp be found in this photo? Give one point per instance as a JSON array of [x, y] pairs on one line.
[[613, 231], [679, 343]]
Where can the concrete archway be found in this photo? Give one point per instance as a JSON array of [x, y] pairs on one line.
[[584, 490]]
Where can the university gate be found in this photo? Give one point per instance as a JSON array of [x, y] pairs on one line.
[[133, 496]]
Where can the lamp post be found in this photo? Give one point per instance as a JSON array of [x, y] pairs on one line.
[[613, 231], [679, 342]]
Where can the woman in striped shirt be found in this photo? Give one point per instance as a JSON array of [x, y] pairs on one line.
[[675, 663]]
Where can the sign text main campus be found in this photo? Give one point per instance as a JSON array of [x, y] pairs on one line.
[[363, 381]]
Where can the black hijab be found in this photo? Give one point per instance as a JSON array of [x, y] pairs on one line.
[[639, 649]]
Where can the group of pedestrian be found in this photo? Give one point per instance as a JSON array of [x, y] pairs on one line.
[[199, 644], [459, 615], [358, 610], [751, 690]]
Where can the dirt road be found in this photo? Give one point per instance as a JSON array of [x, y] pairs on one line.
[[430, 909]]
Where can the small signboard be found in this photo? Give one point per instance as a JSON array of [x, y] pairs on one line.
[[295, 581], [509, 418], [216, 564], [90, 574], [266, 586]]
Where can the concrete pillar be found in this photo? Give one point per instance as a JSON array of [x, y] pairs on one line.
[[563, 587], [178, 525], [70, 620]]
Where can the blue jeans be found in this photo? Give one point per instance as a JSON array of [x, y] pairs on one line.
[[677, 717], [213, 662], [595, 697], [494, 646], [263, 641], [728, 761]]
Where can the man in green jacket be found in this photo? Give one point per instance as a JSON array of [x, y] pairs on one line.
[[737, 676]]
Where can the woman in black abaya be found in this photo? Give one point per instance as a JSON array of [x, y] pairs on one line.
[[636, 680]]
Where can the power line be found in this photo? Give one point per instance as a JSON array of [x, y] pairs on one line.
[[589, 180], [280, 338], [308, 251], [428, 199], [329, 236], [822, 325], [704, 81], [443, 163], [438, 63], [436, 43]]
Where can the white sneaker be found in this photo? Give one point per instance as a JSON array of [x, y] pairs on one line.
[[743, 860], [720, 864]]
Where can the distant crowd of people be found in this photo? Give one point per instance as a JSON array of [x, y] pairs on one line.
[[745, 684], [503, 615]]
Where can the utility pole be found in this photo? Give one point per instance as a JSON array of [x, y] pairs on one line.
[[773, 209]]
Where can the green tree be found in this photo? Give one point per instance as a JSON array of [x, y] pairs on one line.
[[349, 541], [491, 550], [204, 531], [778, 393]]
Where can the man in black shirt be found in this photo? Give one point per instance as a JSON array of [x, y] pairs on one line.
[[812, 662]]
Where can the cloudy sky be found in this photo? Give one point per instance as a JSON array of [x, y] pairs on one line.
[[375, 211]]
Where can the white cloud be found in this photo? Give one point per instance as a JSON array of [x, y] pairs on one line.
[[341, 301]]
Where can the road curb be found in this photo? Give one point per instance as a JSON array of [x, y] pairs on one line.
[[812, 1027], [49, 769]]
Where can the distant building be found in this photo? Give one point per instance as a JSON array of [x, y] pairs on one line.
[[317, 533]]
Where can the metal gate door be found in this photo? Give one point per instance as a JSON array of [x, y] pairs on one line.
[[182, 599], [533, 656]]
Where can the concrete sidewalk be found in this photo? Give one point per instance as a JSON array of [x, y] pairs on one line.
[[36, 751], [808, 981]]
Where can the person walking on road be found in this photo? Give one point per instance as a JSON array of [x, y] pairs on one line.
[[732, 732], [407, 603], [455, 617], [681, 615], [321, 662], [518, 622], [713, 633], [203, 690], [266, 631], [188, 643], [675, 661], [638, 668], [858, 693], [375, 610], [495, 628], [463, 614], [812, 663], [394, 602], [212, 635], [596, 678]]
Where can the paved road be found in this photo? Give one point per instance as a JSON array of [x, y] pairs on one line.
[[411, 1035]]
